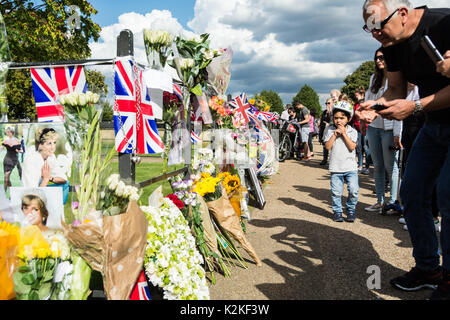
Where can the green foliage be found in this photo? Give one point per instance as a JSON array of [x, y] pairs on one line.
[[274, 100], [309, 98], [96, 83], [108, 113], [41, 32], [360, 77]]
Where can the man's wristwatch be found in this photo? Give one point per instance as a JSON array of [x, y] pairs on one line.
[[417, 107], [51, 179]]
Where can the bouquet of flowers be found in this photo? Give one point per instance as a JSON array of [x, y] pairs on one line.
[[5, 57], [115, 197], [45, 270], [79, 111], [195, 56], [260, 104], [90, 170], [211, 188], [9, 240], [107, 244], [196, 213], [157, 47], [234, 190], [203, 161], [221, 112], [172, 261]]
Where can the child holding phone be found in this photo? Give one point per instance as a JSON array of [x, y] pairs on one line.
[[340, 139]]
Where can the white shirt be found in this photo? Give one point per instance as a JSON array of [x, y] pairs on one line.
[[341, 158], [379, 122], [32, 168], [284, 115]]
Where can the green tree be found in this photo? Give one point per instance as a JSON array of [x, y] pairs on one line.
[[360, 77], [108, 113], [274, 100], [309, 98], [40, 31]]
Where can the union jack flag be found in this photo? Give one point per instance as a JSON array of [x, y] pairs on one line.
[[49, 84], [241, 106], [141, 290], [268, 116], [134, 124]]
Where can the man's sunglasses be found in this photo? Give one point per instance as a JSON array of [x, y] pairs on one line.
[[382, 23]]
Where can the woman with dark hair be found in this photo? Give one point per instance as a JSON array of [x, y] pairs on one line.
[[384, 136], [13, 147]]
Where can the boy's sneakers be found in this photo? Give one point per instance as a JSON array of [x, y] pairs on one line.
[[350, 217], [378, 208], [402, 220], [338, 217], [365, 171], [417, 279]]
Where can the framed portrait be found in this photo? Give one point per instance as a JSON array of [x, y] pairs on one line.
[[48, 157], [47, 202]]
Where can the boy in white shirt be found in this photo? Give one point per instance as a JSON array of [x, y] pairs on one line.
[[340, 139]]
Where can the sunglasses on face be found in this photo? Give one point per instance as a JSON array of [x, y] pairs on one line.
[[381, 58], [382, 23]]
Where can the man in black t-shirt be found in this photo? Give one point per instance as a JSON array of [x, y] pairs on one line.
[[400, 28]]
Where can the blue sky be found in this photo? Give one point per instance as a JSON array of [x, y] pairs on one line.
[[110, 10]]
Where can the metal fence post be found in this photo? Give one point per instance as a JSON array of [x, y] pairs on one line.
[[127, 168]]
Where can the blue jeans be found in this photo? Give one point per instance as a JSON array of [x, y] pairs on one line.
[[384, 160], [428, 165], [337, 189]]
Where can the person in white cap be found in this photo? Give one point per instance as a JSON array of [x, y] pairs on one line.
[[340, 139]]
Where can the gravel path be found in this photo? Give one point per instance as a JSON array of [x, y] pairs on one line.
[[307, 256]]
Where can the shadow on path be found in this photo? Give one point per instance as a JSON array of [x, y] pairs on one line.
[[316, 268]]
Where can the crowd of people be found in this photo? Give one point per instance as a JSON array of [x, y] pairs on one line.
[[400, 124]]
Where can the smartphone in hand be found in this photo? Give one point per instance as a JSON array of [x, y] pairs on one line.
[[378, 107], [431, 50]]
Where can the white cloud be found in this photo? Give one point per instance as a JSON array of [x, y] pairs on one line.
[[278, 45]]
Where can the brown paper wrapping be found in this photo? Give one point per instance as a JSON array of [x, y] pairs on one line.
[[224, 212], [116, 250], [209, 234]]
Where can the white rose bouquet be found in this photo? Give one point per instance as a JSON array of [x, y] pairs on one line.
[[172, 261], [116, 196], [157, 47]]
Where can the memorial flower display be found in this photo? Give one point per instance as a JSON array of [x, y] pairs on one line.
[[172, 261]]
